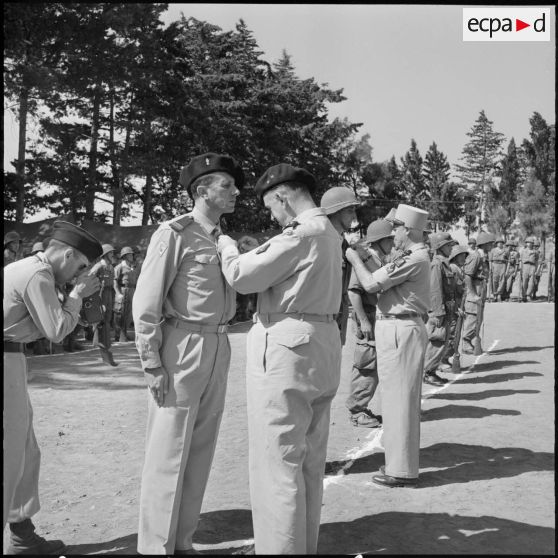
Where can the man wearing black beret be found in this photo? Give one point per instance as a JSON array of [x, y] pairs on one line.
[[294, 358], [181, 308], [32, 310]]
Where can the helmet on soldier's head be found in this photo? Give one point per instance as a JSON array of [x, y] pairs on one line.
[[125, 251], [439, 239], [106, 249], [37, 247], [12, 236], [456, 250], [500, 240], [378, 229], [528, 240], [472, 242], [485, 238], [337, 198]]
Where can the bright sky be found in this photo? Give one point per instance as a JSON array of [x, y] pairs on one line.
[[405, 69]]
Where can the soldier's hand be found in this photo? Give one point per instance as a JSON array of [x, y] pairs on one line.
[[157, 380], [86, 285], [223, 241], [366, 328], [352, 255], [247, 243], [437, 321]]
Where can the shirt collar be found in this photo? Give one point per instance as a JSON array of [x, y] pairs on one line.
[[309, 214], [206, 223]]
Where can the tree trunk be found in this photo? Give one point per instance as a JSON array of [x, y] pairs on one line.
[[20, 165], [92, 174], [148, 196]]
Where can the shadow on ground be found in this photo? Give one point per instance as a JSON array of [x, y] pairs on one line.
[[499, 364], [122, 545], [434, 533], [496, 378], [462, 411], [224, 525], [518, 349], [460, 463], [480, 395]]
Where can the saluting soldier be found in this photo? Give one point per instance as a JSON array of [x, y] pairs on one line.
[[477, 271], [529, 261], [181, 310], [294, 359], [442, 307], [12, 241], [403, 302], [339, 205], [33, 310], [364, 375], [125, 279], [498, 261], [511, 268], [104, 270]]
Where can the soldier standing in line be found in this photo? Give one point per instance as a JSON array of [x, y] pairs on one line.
[[181, 311], [551, 271], [511, 268], [498, 260], [529, 261], [364, 375], [476, 276], [472, 244], [540, 267], [442, 307], [104, 270], [339, 205], [403, 302], [32, 310], [125, 279], [294, 359], [12, 242]]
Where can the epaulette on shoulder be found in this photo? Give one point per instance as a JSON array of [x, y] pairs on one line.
[[180, 223]]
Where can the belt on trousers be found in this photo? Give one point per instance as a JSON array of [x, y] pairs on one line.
[[197, 328], [11, 347], [398, 316], [304, 316], [528, 263]]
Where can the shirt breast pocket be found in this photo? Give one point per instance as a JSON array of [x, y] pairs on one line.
[[203, 267]]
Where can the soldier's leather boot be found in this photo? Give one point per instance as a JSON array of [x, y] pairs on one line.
[[24, 540], [107, 357]]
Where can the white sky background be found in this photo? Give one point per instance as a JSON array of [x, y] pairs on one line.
[[405, 70]]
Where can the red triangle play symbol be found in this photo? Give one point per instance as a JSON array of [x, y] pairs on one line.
[[519, 25]]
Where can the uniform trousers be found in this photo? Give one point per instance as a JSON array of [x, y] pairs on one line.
[[102, 334], [528, 280], [401, 346], [181, 439], [436, 349], [293, 371], [510, 280], [364, 376], [498, 278], [22, 457]]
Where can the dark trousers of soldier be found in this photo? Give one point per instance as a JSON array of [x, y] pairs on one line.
[[123, 313], [498, 279], [438, 343], [469, 330], [102, 335], [364, 376], [551, 284], [528, 281], [509, 282]]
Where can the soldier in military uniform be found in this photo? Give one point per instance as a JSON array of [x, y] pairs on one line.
[[125, 279], [403, 302], [540, 267], [181, 310], [104, 270], [551, 271], [364, 375], [339, 205], [294, 359], [32, 310], [476, 276], [472, 244], [442, 308], [529, 261], [498, 260], [37, 247], [511, 268], [12, 242]]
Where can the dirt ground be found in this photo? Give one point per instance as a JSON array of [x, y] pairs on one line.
[[487, 454]]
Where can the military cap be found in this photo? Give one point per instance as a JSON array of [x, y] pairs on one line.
[[208, 163], [439, 239], [456, 250], [125, 251], [511, 242], [37, 247], [529, 239], [77, 238], [500, 240], [281, 173], [378, 229], [412, 217], [485, 238], [390, 218], [107, 248], [337, 198], [12, 236]]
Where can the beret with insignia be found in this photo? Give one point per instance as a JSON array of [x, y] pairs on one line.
[[208, 163], [77, 238], [281, 173]]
